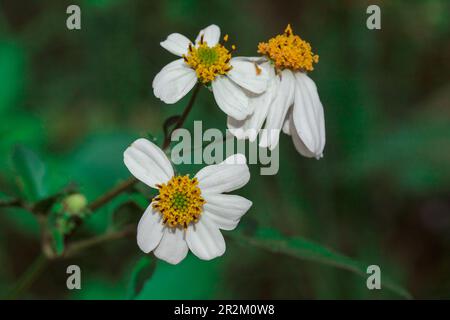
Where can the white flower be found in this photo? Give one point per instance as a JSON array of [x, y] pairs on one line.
[[209, 62], [188, 212], [291, 102]]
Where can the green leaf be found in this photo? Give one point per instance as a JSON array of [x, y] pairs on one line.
[[142, 271], [58, 241], [297, 247], [31, 172]]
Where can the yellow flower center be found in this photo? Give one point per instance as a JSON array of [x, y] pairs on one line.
[[289, 51], [208, 62], [179, 201]]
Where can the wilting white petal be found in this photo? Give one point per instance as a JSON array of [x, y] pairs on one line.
[[308, 115], [225, 210], [287, 123], [173, 247], [149, 230], [249, 127], [230, 98], [176, 43], [298, 143], [229, 175], [249, 75], [211, 35], [284, 98], [174, 81], [205, 239], [148, 163]]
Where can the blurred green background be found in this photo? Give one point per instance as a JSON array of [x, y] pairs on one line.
[[74, 100]]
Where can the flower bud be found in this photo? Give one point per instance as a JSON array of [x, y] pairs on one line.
[[75, 203]]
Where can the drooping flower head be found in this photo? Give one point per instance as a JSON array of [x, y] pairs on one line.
[[289, 51], [291, 102]]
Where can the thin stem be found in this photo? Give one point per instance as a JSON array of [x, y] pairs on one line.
[[111, 194], [76, 247], [28, 277], [183, 117]]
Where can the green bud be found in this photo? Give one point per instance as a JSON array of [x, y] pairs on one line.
[[75, 203]]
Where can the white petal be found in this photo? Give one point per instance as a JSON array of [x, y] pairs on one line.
[[174, 81], [176, 43], [205, 239], [230, 98], [229, 175], [148, 163], [211, 35], [287, 123], [284, 98], [249, 75], [298, 143], [225, 209], [173, 247], [249, 128], [308, 115], [149, 230]]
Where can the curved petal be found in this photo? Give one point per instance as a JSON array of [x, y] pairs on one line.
[[150, 230], [211, 35], [174, 81], [287, 123], [298, 143], [173, 247], [205, 239], [284, 98], [148, 163], [176, 43], [308, 115], [225, 209], [249, 128], [229, 175], [230, 98], [249, 75]]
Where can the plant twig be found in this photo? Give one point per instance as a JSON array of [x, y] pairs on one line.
[[28, 277], [76, 247], [111, 194]]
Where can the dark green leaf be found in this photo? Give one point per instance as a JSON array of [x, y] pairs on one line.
[[142, 271]]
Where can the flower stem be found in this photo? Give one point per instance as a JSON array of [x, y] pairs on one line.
[[183, 116]]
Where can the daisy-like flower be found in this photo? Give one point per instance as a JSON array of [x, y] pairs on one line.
[[188, 212], [232, 80], [291, 101]]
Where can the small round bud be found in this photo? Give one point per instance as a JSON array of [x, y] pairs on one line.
[[75, 203]]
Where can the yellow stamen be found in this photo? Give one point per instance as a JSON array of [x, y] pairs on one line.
[[208, 62], [225, 38], [289, 51], [179, 201]]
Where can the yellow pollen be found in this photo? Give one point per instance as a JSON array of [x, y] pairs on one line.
[[289, 51], [179, 201], [208, 62]]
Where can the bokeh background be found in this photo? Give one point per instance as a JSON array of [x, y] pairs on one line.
[[74, 100]]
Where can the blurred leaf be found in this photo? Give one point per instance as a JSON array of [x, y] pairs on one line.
[[142, 272], [58, 241], [297, 247], [31, 172], [11, 74]]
